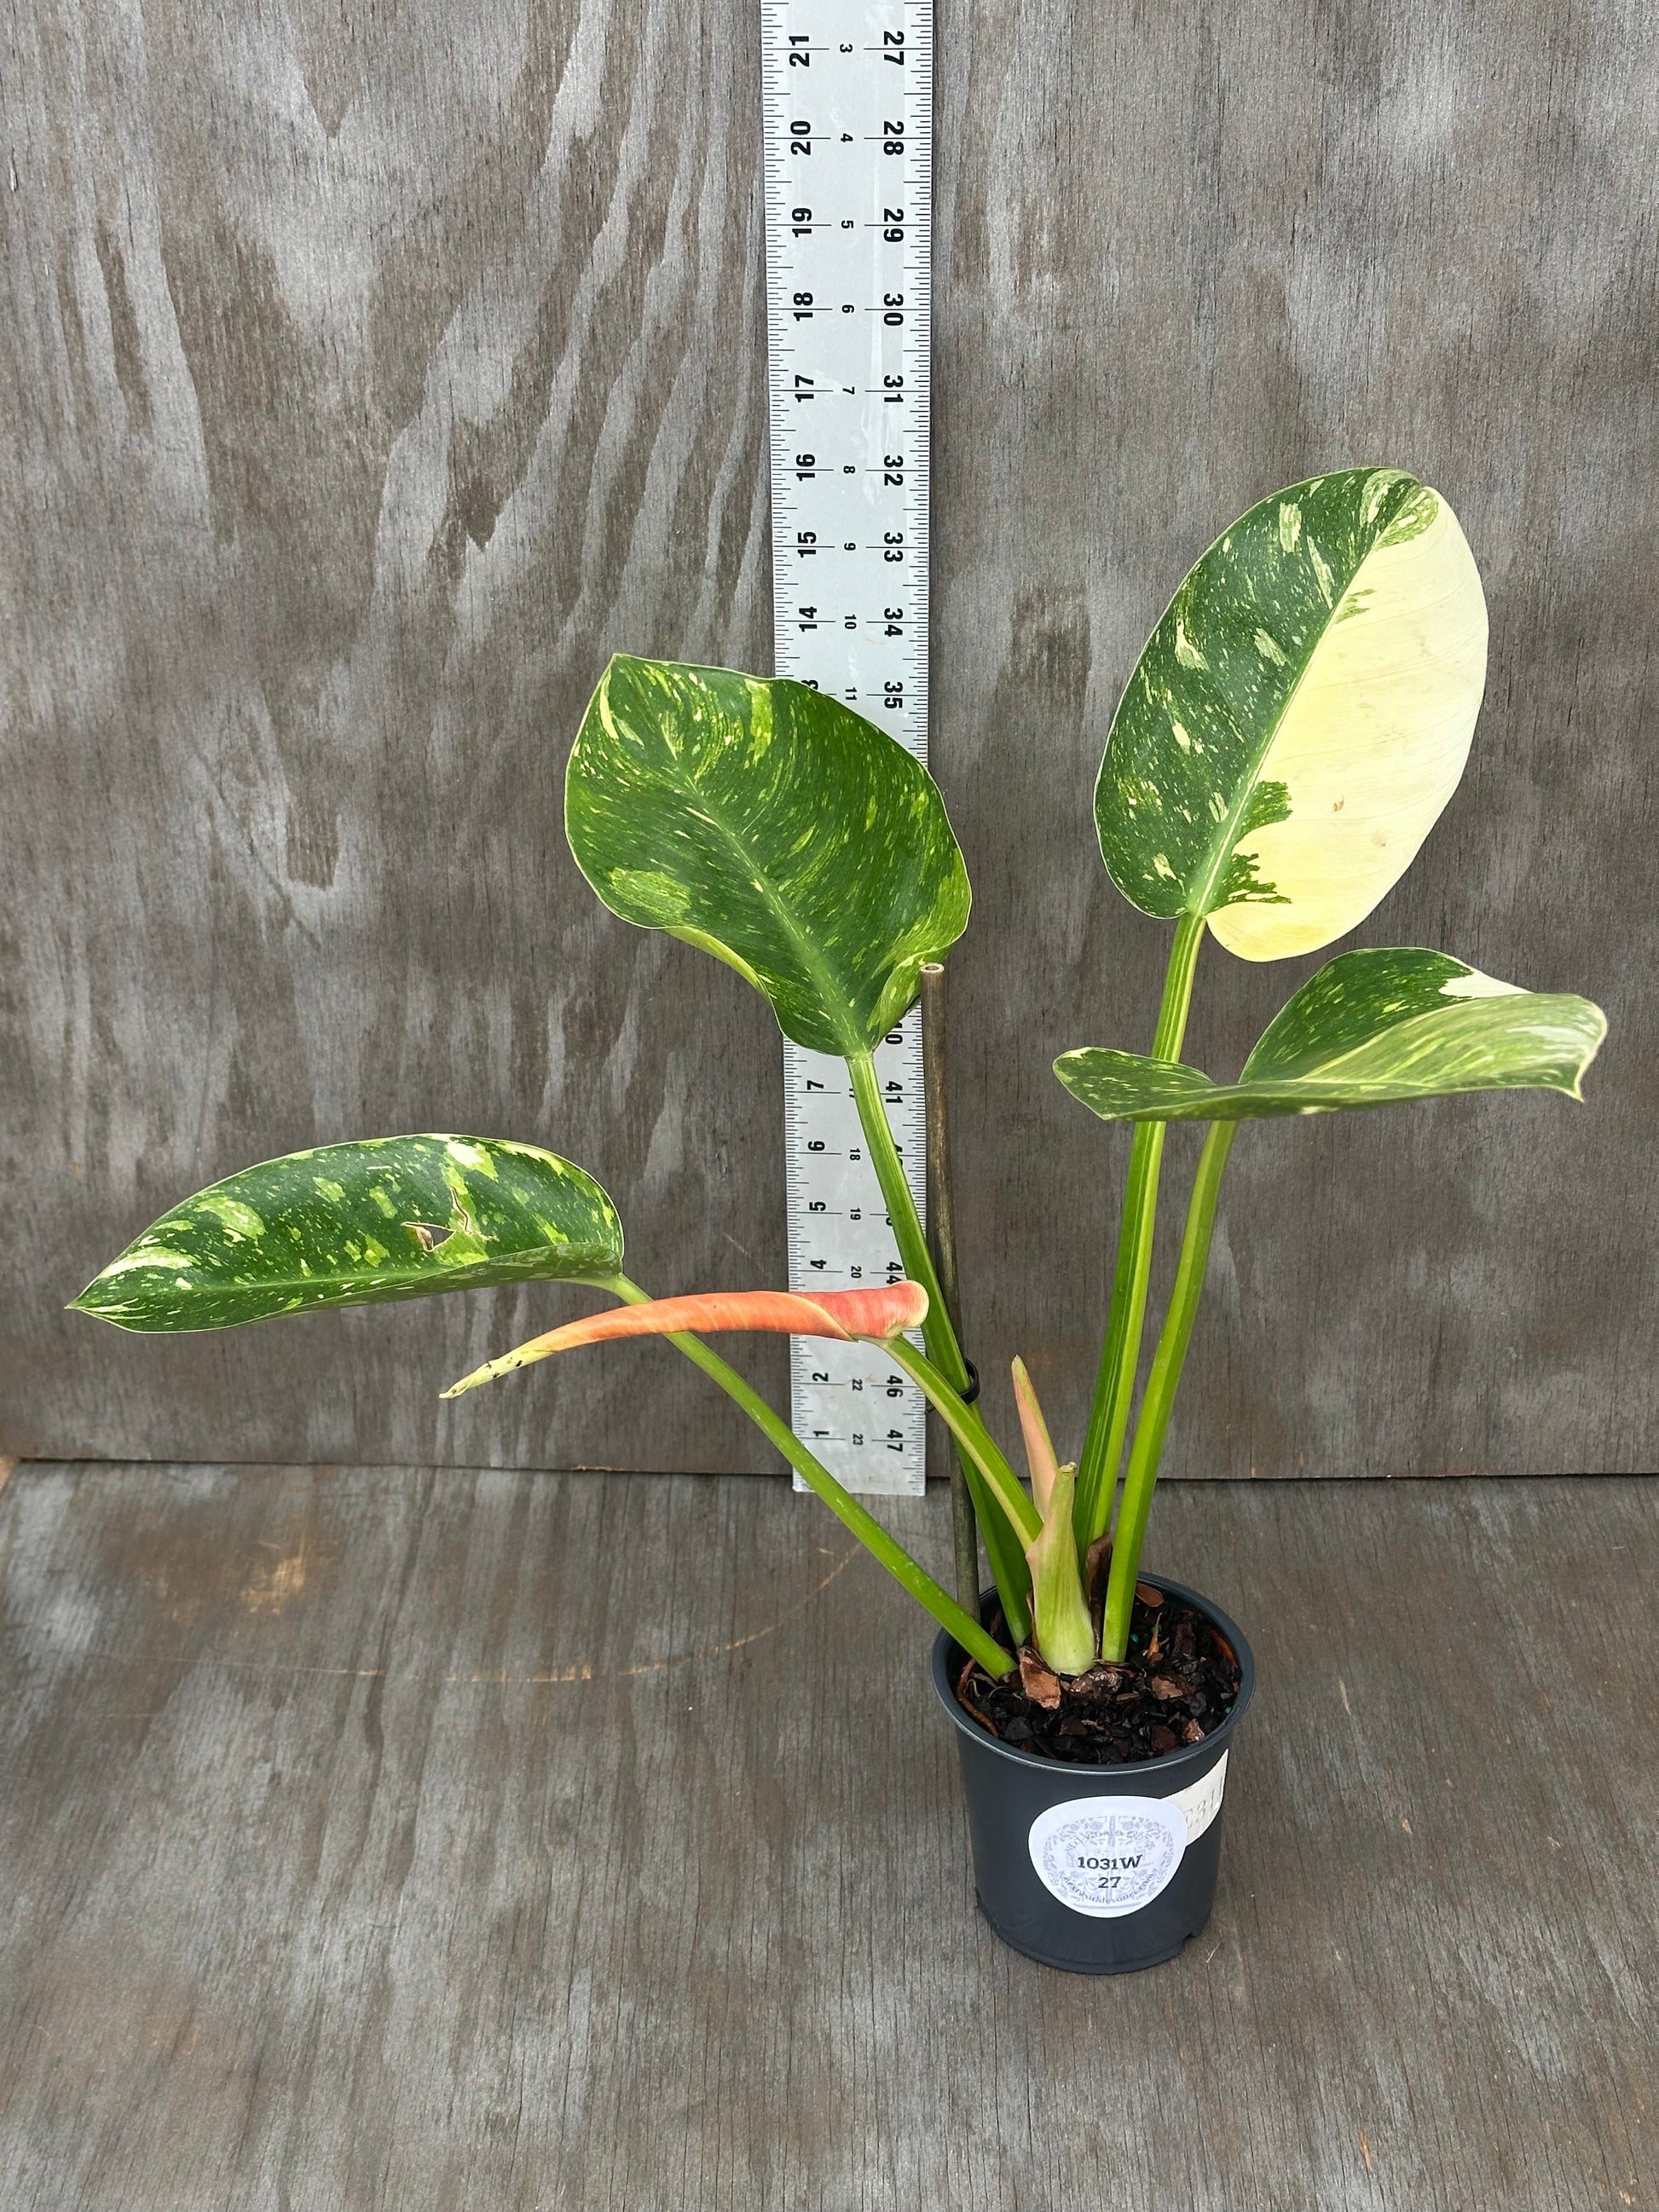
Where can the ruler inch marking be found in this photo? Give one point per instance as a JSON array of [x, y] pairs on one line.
[[848, 201]]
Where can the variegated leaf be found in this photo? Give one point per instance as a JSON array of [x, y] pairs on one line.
[[353, 1224], [1300, 715], [772, 826], [1371, 1028]]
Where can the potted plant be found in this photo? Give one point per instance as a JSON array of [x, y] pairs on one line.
[[1297, 723]]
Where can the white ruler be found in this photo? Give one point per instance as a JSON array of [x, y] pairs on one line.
[[848, 126]]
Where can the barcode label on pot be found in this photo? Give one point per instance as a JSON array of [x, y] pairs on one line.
[[1106, 1856]]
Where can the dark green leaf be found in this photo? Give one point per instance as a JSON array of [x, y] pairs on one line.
[[776, 829]]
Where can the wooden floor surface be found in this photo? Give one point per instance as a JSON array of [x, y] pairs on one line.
[[372, 1838]]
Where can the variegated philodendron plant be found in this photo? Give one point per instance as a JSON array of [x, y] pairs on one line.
[[1298, 720]]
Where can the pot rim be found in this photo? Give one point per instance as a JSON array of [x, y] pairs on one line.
[[1185, 1760]]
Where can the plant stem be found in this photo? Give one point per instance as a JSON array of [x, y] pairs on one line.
[[1142, 1477], [964, 1626], [973, 1435], [1005, 1544], [1010, 1571], [1108, 1417], [942, 1226], [941, 1339]]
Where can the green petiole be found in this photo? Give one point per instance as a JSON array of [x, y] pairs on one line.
[[1109, 1416], [999, 1522], [1142, 1477], [975, 1640], [940, 1338], [983, 1452]]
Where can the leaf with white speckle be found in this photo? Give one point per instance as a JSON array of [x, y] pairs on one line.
[[1377, 1028], [775, 828], [1300, 716], [359, 1223]]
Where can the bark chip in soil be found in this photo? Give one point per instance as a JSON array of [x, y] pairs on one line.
[[1176, 1686]]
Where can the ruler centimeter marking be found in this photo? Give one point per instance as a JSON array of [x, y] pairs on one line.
[[847, 107]]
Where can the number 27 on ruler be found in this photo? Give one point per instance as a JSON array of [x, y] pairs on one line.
[[847, 88]]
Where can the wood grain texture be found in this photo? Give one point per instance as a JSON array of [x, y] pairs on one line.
[[367, 377], [1187, 258], [372, 1839]]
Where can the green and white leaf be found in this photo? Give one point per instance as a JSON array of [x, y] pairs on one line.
[[775, 828], [1371, 1028], [1300, 715], [352, 1225]]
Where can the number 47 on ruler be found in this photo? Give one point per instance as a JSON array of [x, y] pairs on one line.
[[863, 1419], [848, 93]]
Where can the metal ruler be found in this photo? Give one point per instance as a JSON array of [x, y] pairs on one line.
[[847, 90]]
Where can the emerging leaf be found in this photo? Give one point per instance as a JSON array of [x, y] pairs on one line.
[[353, 1224], [1371, 1028], [845, 1315], [1039, 1447], [1060, 1626], [1300, 715], [772, 826]]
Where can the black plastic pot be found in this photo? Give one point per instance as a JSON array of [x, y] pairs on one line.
[[1097, 1869]]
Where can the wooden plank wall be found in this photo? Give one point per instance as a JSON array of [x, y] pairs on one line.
[[370, 374]]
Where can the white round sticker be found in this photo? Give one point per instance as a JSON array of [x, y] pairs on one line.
[[1105, 1856], [1109, 1855]]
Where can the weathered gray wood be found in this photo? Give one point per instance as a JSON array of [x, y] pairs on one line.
[[1191, 254], [367, 376], [387, 1838]]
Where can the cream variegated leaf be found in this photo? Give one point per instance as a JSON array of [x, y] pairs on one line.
[[1371, 1028], [1300, 716]]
